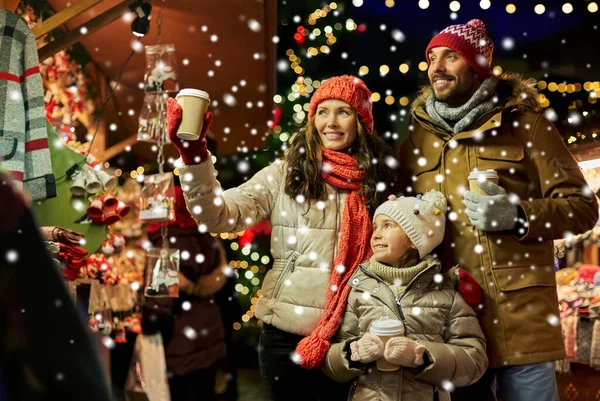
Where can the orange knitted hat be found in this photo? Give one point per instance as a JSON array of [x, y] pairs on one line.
[[349, 89]]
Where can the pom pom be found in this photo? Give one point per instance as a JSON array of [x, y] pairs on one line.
[[438, 199], [477, 24], [312, 351]]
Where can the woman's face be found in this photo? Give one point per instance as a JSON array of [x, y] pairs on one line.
[[336, 124]]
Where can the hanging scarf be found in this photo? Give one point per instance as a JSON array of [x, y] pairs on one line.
[[458, 119], [341, 171]]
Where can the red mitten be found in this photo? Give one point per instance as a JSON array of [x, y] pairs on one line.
[[468, 288], [192, 152]]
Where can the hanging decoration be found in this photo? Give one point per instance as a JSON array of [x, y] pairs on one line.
[[160, 79]]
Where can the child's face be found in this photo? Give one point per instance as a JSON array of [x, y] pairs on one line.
[[389, 241]]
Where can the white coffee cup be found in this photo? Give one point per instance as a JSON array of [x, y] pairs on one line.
[[386, 328], [480, 176], [194, 103]]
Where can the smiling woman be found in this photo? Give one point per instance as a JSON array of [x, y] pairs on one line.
[[319, 201]]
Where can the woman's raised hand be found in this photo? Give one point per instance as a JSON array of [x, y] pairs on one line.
[[192, 152]]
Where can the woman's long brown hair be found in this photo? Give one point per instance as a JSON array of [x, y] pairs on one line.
[[304, 158]]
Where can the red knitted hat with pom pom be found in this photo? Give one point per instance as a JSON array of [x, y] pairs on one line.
[[470, 41], [349, 89]]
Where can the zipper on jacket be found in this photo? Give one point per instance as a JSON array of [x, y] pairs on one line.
[[399, 299], [382, 284], [289, 269], [352, 390]]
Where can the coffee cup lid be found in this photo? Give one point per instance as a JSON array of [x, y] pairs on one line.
[[193, 92], [491, 174], [386, 327]]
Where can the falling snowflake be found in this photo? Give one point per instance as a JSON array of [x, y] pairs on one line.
[[508, 43], [417, 310], [243, 166], [186, 305], [553, 320], [185, 255], [108, 342], [200, 258], [438, 278], [229, 99], [398, 36], [299, 310], [391, 162], [254, 25], [12, 256], [190, 333], [295, 357], [447, 385], [478, 248], [282, 66]]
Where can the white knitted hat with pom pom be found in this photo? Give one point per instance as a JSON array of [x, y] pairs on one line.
[[423, 218]]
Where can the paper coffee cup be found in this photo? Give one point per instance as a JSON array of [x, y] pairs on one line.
[[480, 176], [385, 329], [194, 103]]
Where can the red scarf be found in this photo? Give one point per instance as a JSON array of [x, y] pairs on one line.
[[341, 171]]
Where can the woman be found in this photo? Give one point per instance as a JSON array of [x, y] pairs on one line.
[[318, 201]]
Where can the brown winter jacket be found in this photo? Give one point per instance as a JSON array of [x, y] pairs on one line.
[[516, 274], [433, 314]]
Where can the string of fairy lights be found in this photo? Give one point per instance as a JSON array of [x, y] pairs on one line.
[[305, 85]]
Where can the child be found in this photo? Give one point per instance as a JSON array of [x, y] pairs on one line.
[[442, 345]]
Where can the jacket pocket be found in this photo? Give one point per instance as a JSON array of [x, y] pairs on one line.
[[511, 153], [287, 271], [8, 148], [566, 165], [520, 277]]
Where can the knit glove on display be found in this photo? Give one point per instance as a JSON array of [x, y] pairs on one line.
[[403, 351], [494, 212], [367, 349], [192, 152]]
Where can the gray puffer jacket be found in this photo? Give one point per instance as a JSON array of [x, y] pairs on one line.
[[433, 314]]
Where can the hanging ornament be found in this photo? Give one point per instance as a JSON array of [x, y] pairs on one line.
[[161, 69], [107, 247], [118, 241]]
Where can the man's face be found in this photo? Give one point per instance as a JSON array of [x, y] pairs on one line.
[[451, 77]]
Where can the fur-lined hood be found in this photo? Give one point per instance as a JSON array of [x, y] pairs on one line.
[[513, 91]]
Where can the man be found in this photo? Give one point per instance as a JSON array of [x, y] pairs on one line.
[[469, 119]]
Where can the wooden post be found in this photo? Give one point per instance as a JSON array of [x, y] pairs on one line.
[[62, 17], [73, 36]]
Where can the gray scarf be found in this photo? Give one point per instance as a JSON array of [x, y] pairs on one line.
[[460, 118]]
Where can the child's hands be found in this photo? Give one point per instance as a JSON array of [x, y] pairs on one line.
[[367, 349], [403, 351]]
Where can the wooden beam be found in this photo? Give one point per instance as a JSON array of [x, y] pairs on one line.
[[73, 36], [118, 148], [62, 17]]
